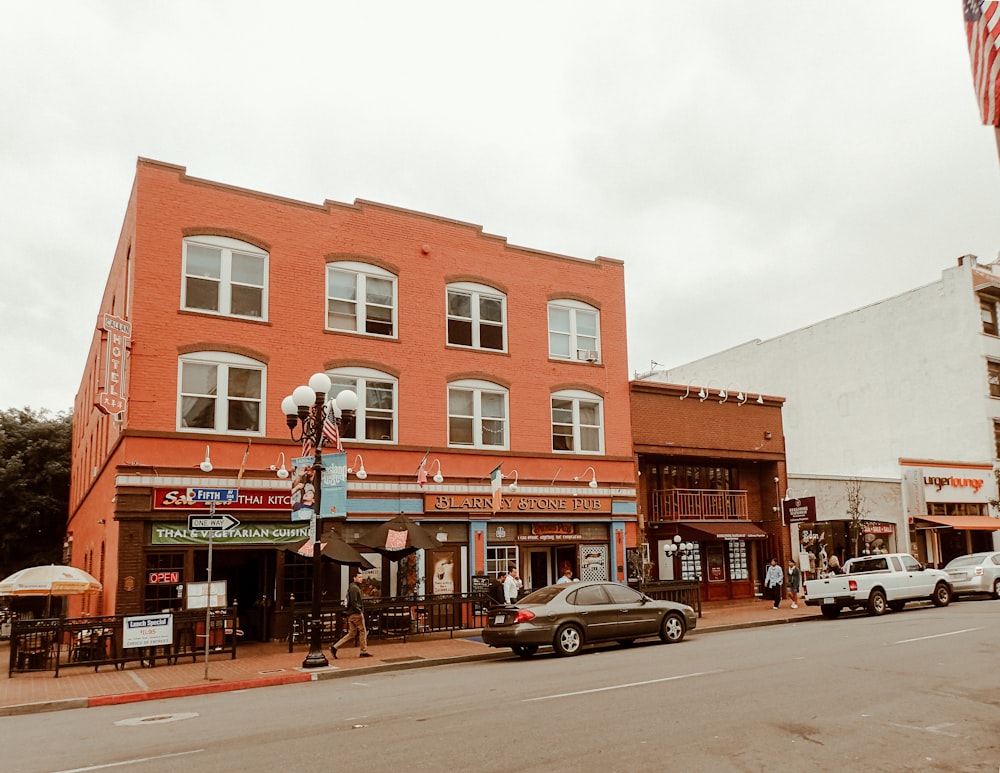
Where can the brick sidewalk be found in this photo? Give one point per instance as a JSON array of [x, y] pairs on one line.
[[266, 664]]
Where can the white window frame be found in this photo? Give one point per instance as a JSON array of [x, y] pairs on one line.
[[576, 396], [478, 389], [362, 273], [222, 361], [226, 282], [581, 347], [360, 377], [476, 292]]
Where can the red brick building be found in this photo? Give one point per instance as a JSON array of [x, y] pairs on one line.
[[463, 350], [711, 469]]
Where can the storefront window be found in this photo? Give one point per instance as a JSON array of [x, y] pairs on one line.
[[738, 560], [691, 564], [164, 582], [499, 558]]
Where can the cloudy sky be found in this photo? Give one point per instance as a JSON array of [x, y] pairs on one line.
[[757, 164]]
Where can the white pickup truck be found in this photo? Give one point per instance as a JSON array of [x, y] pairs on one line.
[[877, 583]]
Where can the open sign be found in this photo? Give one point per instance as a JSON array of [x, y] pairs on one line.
[[164, 578]]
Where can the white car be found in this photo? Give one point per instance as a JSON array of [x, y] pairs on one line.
[[975, 573]]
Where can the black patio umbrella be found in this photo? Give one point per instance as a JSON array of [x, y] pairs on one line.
[[333, 548], [400, 537]]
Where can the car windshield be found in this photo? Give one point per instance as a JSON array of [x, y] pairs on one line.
[[542, 595]]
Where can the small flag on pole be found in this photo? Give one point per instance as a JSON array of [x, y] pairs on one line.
[[243, 464], [496, 486], [331, 431], [422, 471]]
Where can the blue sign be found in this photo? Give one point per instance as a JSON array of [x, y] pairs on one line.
[[221, 496]]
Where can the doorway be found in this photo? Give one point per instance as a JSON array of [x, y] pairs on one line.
[[249, 576], [539, 569]]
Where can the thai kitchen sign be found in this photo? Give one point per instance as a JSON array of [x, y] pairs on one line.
[[111, 397], [186, 499]]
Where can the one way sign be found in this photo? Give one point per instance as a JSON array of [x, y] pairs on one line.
[[212, 522]]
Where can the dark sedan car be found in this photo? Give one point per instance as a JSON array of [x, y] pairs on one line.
[[570, 615]]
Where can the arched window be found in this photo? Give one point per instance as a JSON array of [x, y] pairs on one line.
[[220, 392], [360, 299], [577, 422], [224, 276], [574, 331], [477, 414], [477, 316], [375, 417]]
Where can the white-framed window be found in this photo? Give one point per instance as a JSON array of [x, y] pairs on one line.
[[577, 422], [477, 317], [360, 299], [477, 414], [574, 331], [499, 558], [220, 392], [224, 276], [375, 418]]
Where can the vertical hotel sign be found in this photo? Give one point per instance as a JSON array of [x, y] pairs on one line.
[[111, 399]]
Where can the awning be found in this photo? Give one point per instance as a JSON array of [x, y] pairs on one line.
[[967, 522], [730, 530]]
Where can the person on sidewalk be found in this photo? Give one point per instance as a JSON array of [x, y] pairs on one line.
[[774, 578], [511, 585], [497, 598], [794, 583], [355, 619]]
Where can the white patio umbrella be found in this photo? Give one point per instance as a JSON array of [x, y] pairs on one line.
[[49, 580]]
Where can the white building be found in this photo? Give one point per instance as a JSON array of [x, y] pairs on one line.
[[904, 392]]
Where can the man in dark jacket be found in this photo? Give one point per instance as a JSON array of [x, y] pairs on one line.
[[496, 591], [355, 619]]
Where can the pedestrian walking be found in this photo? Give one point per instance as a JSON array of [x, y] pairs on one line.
[[496, 590], [794, 583], [774, 578], [355, 619]]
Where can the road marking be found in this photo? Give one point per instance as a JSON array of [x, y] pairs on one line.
[[619, 686], [937, 729], [130, 762], [938, 635]]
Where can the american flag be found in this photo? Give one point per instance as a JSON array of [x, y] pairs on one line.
[[982, 25], [307, 447], [331, 431], [422, 471]]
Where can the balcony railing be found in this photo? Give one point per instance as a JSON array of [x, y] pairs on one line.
[[698, 505]]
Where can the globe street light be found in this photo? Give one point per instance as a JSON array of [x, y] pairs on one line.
[[307, 409]]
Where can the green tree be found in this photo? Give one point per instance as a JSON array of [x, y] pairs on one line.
[[35, 451]]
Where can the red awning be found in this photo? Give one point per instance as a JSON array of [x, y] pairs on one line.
[[730, 530], [967, 522]]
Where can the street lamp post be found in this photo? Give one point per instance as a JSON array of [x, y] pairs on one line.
[[308, 409]]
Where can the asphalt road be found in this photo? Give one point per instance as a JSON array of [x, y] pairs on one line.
[[917, 690]]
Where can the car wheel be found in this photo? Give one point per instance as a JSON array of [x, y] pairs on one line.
[[830, 611], [568, 641], [876, 603], [996, 588], [672, 629], [524, 650], [941, 596], [897, 606]]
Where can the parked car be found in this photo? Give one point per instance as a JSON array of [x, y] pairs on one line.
[[876, 584], [575, 614], [975, 573]]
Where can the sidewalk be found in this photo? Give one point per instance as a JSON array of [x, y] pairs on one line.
[[267, 664]]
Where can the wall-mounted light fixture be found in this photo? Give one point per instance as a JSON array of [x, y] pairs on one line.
[[760, 399], [593, 477], [359, 463], [279, 468], [686, 392], [512, 486], [741, 399], [438, 477], [706, 390], [206, 465]]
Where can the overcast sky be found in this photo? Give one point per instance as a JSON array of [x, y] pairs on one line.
[[758, 165]]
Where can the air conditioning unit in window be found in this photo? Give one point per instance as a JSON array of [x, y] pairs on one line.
[[590, 355]]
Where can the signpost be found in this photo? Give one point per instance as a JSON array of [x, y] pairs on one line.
[[211, 523]]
